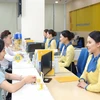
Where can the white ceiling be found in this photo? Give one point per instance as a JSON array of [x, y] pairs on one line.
[[8, 0], [47, 1], [59, 1]]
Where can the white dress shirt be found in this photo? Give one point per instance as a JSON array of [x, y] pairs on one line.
[[9, 56]]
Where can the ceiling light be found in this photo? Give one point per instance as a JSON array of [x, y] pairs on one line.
[[56, 1]]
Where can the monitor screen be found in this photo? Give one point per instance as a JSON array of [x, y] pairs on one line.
[[31, 46], [46, 63]]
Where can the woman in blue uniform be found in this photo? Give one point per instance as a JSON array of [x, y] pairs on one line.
[[67, 53], [90, 79], [51, 42]]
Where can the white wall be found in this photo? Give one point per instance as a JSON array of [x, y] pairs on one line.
[[19, 23], [76, 4], [55, 17], [59, 17], [32, 21], [49, 16], [8, 16]]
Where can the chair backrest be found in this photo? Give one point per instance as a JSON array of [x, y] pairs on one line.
[[60, 46], [82, 61], [57, 42], [72, 68], [80, 42]]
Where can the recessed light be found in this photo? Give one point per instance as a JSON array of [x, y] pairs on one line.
[[56, 1]]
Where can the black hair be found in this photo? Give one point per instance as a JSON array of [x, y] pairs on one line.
[[1, 45], [4, 34], [95, 35], [46, 30], [68, 34], [52, 32]]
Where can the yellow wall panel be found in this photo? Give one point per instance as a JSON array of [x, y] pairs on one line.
[[73, 21], [86, 19], [80, 19], [96, 17]]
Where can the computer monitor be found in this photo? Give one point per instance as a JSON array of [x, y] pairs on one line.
[[31, 46], [27, 38], [46, 63]]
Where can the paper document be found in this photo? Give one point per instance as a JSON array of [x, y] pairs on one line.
[[67, 78]]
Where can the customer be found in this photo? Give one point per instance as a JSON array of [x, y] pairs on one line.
[[9, 56], [3, 76]]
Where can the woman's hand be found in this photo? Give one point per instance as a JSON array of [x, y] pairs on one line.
[[82, 84], [29, 79]]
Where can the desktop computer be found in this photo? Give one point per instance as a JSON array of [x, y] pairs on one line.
[[32, 46]]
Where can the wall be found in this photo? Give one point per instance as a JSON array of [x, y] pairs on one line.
[[32, 21], [76, 4], [19, 23], [55, 17], [85, 19], [8, 16], [49, 16]]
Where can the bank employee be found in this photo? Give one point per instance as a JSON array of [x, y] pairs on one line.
[[90, 79], [67, 53], [51, 42]]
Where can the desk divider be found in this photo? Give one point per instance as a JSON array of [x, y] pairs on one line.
[[38, 54]]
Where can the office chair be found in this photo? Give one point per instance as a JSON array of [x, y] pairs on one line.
[[60, 46], [57, 42], [72, 68], [80, 43], [82, 61]]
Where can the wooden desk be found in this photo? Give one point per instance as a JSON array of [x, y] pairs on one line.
[[59, 91], [69, 90]]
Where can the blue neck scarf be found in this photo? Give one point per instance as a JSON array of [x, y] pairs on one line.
[[50, 42], [93, 63], [65, 48]]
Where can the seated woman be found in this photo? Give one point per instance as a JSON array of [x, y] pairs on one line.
[[3, 76], [90, 79], [51, 42], [67, 53]]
